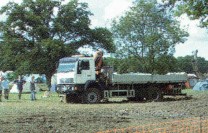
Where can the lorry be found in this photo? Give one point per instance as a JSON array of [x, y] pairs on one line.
[[77, 81]]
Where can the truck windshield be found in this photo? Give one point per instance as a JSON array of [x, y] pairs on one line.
[[66, 67]]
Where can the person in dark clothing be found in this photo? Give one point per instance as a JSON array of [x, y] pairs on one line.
[[20, 82], [0, 88], [32, 88]]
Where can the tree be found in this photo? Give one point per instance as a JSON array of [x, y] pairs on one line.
[[185, 64], [125, 65], [202, 65], [166, 63], [195, 9], [147, 32], [37, 33]]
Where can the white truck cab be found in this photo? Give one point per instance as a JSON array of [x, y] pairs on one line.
[[75, 71]]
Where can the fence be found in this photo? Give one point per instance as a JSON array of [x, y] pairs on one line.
[[194, 125]]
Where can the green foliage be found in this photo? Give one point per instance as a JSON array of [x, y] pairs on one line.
[[163, 64], [125, 65], [202, 65], [185, 64], [147, 33], [195, 9], [37, 33], [11, 76], [166, 64]]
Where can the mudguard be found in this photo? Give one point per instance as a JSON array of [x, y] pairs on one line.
[[93, 83]]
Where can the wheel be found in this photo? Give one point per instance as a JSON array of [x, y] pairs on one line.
[[154, 94], [73, 98], [65, 98], [92, 95]]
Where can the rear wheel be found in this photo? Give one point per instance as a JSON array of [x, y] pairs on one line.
[[92, 95], [154, 94]]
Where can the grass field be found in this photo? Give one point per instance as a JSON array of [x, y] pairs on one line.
[[51, 115]]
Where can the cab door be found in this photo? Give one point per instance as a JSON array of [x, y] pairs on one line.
[[86, 71]]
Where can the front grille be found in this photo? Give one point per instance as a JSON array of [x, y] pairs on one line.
[[66, 80]]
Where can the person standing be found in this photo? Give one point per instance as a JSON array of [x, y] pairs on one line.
[[53, 83], [98, 58], [20, 82], [5, 86], [32, 88], [0, 89]]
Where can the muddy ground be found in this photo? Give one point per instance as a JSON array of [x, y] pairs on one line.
[[50, 115]]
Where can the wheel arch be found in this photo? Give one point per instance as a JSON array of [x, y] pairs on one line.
[[92, 83]]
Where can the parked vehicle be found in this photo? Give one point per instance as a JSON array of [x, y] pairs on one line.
[[78, 81]]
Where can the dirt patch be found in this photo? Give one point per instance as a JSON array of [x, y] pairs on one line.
[[49, 115]]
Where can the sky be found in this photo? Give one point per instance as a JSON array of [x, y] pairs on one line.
[[105, 10]]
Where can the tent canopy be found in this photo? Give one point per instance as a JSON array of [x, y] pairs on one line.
[[201, 86], [26, 88]]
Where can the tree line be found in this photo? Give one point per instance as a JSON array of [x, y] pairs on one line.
[[37, 33], [163, 65]]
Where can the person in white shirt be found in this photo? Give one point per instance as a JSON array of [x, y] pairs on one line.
[[32, 88], [5, 87]]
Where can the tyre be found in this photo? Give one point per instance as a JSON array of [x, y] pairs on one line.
[[73, 98], [154, 94], [66, 98], [92, 95]]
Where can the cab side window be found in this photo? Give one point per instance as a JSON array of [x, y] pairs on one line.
[[85, 65]]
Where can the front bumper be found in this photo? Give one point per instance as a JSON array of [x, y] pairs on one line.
[[63, 88], [69, 88]]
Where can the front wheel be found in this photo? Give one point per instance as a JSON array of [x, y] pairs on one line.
[[92, 95], [72, 98]]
